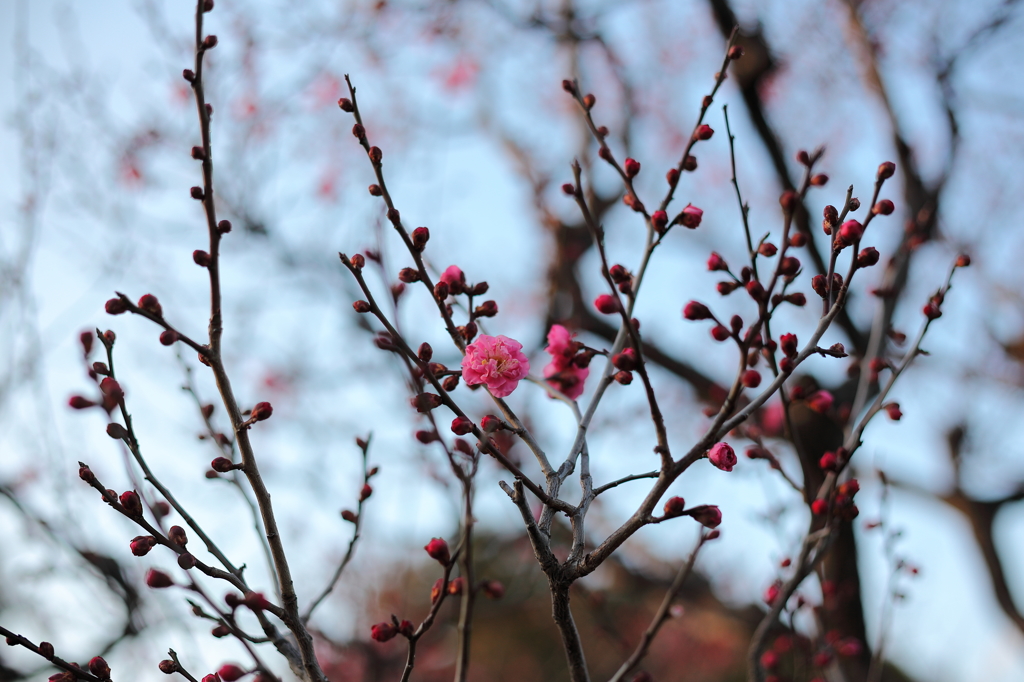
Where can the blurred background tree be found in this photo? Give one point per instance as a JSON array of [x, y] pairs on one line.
[[466, 98]]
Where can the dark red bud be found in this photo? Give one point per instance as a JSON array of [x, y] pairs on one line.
[[158, 579], [345, 104], [437, 549], [883, 207], [261, 411]]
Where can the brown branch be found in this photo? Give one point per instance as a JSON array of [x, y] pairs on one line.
[[662, 613], [310, 668], [16, 639]]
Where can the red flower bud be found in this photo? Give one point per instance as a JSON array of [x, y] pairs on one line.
[[883, 207], [375, 155], [491, 423], [230, 672], [672, 176], [789, 266], [46, 650], [893, 410], [851, 231], [486, 309], [690, 163], [224, 226], [819, 285], [756, 290], [674, 506], [963, 260], [623, 377], [632, 167], [425, 402], [788, 344], [696, 311], [819, 507], [819, 180], [767, 249], [461, 426], [77, 402], [493, 589], [365, 492], [345, 104], [707, 515], [186, 561], [886, 170], [716, 262], [115, 306], [261, 411], [361, 307], [420, 236], [223, 465], [726, 288], [735, 52], [789, 201], [797, 240], [796, 298], [158, 579], [626, 360], [197, 193], [201, 258], [349, 515], [456, 586], [606, 304], [720, 333], [168, 337], [131, 503], [659, 219], [703, 132], [141, 544], [751, 378], [828, 461], [769, 660], [722, 456], [932, 310], [437, 549], [409, 275], [151, 305], [867, 257], [178, 536], [691, 216]]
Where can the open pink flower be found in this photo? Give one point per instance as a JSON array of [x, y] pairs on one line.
[[497, 362], [561, 373]]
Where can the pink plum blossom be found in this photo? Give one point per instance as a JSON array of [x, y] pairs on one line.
[[561, 373], [497, 362]]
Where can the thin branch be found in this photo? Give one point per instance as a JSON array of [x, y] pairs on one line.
[[662, 614]]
